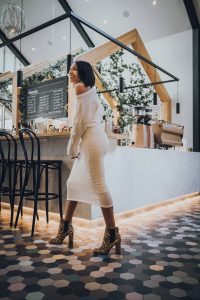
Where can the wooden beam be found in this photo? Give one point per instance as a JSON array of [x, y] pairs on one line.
[[110, 100], [101, 52], [6, 76], [130, 38], [166, 111], [154, 76]]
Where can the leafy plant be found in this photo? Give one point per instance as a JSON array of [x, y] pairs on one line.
[[6, 94], [111, 70]]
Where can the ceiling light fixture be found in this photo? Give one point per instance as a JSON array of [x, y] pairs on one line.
[[64, 37], [12, 19], [177, 101], [155, 96], [33, 49], [69, 56], [154, 2], [19, 72], [104, 21], [121, 78]]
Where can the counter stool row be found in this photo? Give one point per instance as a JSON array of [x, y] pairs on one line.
[[22, 178]]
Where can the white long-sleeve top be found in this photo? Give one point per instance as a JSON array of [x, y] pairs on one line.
[[87, 114]]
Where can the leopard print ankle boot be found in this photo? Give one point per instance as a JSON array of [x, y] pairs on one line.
[[61, 235], [107, 245]]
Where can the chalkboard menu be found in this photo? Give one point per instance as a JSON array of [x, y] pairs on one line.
[[47, 99]]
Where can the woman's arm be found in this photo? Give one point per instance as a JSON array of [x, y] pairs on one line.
[[79, 123]]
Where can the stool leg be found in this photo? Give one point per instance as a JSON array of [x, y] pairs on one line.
[[60, 189], [20, 176], [36, 191], [34, 168], [12, 200], [20, 205], [47, 191], [11, 193], [34, 215]]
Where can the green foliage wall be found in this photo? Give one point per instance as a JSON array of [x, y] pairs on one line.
[[111, 71]]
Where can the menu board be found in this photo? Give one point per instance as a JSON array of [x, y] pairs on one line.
[[47, 99]]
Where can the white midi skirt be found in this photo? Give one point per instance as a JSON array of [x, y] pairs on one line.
[[86, 182]]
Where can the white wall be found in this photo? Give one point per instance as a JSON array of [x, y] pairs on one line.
[[174, 54]]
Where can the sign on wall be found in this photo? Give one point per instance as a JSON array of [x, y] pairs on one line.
[[47, 99]]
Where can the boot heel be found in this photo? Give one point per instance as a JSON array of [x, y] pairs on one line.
[[71, 239], [118, 248]]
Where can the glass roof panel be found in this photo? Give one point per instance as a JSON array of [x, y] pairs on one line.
[[51, 42]]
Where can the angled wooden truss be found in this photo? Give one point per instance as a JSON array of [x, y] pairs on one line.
[[130, 38]]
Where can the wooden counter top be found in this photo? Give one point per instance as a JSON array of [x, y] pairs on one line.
[[67, 134]]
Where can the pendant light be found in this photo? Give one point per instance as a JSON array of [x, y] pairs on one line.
[[155, 98], [155, 95], [121, 79], [69, 56], [177, 102], [19, 72], [19, 78], [177, 107], [121, 84]]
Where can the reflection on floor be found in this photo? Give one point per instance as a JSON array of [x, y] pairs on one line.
[[160, 259]]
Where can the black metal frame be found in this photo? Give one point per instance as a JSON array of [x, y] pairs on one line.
[[115, 41], [77, 24], [189, 5], [13, 48], [192, 15], [75, 18], [35, 29], [139, 85]]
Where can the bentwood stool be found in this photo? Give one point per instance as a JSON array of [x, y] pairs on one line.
[[10, 170], [36, 167]]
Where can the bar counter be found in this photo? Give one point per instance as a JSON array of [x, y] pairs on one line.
[[136, 177]]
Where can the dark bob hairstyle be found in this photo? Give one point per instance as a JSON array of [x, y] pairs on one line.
[[85, 72]]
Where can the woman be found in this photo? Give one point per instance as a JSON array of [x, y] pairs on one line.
[[87, 145]]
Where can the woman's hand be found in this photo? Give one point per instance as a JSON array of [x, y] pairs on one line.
[[73, 157]]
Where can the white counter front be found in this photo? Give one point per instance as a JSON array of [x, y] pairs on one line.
[[138, 177]]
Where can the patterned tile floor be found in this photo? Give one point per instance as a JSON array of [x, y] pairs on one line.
[[160, 259]]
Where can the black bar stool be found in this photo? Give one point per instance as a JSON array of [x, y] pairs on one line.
[[11, 170], [35, 166]]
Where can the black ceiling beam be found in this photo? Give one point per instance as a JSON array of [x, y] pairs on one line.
[[77, 24], [35, 29], [145, 85], [13, 48], [192, 15], [115, 41]]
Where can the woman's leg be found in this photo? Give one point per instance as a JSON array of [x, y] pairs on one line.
[[111, 236], [108, 216], [69, 210], [65, 227]]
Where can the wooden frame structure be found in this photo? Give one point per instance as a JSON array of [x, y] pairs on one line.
[[130, 38], [94, 56]]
